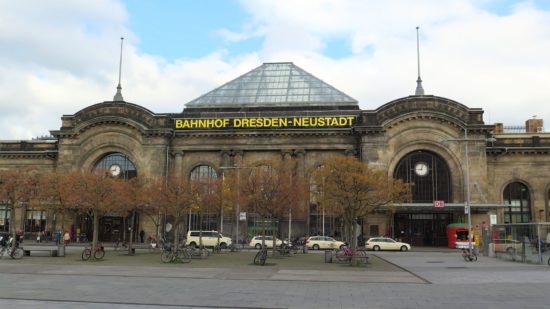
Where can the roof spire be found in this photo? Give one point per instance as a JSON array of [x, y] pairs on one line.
[[419, 89], [118, 95]]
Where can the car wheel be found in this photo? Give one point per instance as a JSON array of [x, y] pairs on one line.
[[223, 245], [376, 248], [342, 247], [258, 246], [404, 248], [193, 244], [315, 247]]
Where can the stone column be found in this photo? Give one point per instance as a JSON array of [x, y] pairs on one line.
[[226, 158], [178, 164], [301, 162], [238, 157]]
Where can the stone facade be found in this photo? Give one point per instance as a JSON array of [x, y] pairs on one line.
[[381, 137]]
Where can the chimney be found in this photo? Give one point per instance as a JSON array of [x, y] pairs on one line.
[[534, 125]]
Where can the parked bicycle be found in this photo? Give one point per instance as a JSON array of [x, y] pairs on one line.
[[469, 255], [181, 254], [261, 256], [6, 248], [346, 254], [98, 252]]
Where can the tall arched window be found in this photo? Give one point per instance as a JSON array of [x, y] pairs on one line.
[[209, 220], [517, 203], [117, 165], [430, 175]]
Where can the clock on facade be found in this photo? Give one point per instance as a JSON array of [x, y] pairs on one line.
[[421, 169], [115, 170]]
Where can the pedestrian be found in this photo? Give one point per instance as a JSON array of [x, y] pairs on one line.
[[57, 237], [66, 238], [142, 235]]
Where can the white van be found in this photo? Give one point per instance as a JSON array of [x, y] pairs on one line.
[[209, 239]]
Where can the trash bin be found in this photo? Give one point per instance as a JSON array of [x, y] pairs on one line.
[[60, 250], [328, 256]]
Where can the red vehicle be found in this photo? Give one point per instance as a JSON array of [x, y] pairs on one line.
[[457, 235]]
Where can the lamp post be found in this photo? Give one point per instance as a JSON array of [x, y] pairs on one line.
[[238, 168], [467, 205]]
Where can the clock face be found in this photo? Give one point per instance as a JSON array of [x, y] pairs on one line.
[[115, 170], [421, 169]]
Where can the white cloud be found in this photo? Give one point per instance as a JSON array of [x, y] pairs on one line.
[[61, 56]]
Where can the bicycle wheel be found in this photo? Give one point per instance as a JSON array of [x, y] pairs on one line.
[[473, 258], [341, 256], [86, 254], [166, 256], [17, 254], [184, 256], [548, 261], [99, 254], [259, 259]]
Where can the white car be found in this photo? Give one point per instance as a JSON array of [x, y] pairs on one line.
[[324, 242], [256, 242], [386, 243], [209, 239]]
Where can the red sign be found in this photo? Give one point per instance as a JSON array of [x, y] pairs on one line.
[[439, 204]]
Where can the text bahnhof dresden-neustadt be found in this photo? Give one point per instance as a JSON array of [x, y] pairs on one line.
[[264, 122]]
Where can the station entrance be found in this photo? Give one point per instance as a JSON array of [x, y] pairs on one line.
[[422, 229]]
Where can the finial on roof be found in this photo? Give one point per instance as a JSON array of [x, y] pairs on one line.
[[419, 89], [118, 95]]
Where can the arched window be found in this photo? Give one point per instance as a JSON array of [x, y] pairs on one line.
[[205, 175], [517, 203], [117, 165], [203, 172], [430, 175]]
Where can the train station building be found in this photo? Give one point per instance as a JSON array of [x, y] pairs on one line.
[[278, 111]]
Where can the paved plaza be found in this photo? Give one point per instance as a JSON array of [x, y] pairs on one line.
[[416, 279]]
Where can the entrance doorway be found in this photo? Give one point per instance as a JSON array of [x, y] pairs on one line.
[[422, 229]]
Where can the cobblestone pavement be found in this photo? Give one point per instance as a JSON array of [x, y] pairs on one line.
[[401, 280]]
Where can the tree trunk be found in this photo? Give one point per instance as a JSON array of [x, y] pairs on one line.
[[131, 236], [12, 226], [96, 231], [353, 242]]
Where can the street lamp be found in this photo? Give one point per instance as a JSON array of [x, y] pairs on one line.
[[467, 208]]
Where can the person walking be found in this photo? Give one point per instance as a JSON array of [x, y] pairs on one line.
[[142, 236], [66, 238]]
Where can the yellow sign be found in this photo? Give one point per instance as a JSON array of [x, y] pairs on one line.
[[265, 122]]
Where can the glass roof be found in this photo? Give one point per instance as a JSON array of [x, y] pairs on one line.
[[274, 84]]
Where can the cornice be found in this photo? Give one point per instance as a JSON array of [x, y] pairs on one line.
[[50, 155], [267, 133]]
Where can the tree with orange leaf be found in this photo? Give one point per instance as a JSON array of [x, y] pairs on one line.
[[174, 199], [273, 191], [130, 196], [93, 194], [17, 190], [353, 190]]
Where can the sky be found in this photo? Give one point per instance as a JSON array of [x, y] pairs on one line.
[[60, 56]]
